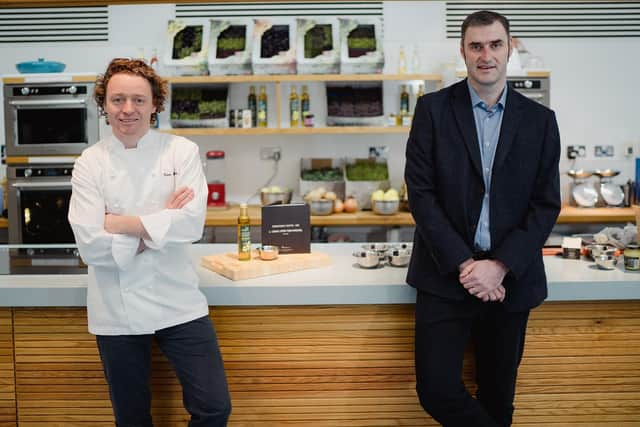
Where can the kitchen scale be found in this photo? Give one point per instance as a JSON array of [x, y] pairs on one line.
[[611, 194], [583, 193]]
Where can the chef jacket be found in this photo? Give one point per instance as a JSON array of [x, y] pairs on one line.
[[133, 293]]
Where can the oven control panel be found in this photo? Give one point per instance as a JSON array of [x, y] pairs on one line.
[[28, 172], [49, 90]]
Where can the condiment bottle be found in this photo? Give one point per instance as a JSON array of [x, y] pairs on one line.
[[404, 101], [632, 257], [252, 104], [262, 108], [294, 108], [244, 234], [402, 61], [305, 102]]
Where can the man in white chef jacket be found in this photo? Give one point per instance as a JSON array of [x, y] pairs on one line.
[[138, 202]]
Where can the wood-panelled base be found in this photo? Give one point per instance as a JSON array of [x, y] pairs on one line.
[[7, 373], [334, 366]]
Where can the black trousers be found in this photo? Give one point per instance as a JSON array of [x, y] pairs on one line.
[[444, 328], [192, 349]]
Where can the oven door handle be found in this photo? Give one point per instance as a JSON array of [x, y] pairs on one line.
[[41, 102], [47, 184]]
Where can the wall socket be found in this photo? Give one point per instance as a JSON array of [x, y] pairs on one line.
[[574, 151], [603, 151], [270, 153]]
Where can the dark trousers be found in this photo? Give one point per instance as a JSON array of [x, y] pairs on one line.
[[191, 348], [444, 328]]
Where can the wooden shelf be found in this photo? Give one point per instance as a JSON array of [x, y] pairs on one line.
[[331, 130], [280, 78], [568, 215], [574, 215], [283, 78], [227, 217]]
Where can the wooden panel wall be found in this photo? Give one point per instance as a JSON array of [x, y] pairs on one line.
[[7, 374], [339, 366], [581, 366]]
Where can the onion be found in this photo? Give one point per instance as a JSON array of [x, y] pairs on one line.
[[338, 206], [350, 205]]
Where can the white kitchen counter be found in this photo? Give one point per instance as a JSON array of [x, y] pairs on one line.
[[341, 283]]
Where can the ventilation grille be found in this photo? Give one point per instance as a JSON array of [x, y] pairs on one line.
[[555, 19], [59, 24], [272, 9]]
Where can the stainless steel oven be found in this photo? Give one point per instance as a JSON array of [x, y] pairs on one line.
[[49, 118], [536, 88], [38, 203]]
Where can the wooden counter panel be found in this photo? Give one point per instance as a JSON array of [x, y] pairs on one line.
[[339, 365], [7, 374]]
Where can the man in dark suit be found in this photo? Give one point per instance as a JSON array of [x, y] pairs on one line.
[[483, 184]]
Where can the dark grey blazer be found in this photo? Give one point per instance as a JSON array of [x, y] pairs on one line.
[[445, 187]]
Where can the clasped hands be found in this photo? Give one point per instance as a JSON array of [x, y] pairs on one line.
[[483, 279], [131, 225]]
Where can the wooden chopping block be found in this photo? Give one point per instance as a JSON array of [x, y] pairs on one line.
[[229, 266]]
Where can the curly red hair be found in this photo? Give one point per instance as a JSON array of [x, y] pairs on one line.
[[137, 67]]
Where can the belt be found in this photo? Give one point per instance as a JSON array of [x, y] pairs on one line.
[[479, 255]]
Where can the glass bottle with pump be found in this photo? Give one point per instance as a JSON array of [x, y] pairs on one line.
[[252, 104], [404, 101], [244, 234], [262, 108], [294, 108]]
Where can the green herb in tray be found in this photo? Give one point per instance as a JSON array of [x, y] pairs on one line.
[[324, 174], [367, 171]]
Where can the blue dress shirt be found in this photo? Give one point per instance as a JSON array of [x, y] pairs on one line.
[[488, 122]]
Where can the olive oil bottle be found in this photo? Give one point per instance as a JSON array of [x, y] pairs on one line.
[[244, 234], [294, 108], [305, 102], [404, 101], [262, 108], [252, 104]]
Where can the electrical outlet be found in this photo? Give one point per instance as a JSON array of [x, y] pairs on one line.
[[270, 153], [603, 151], [628, 150], [574, 151]]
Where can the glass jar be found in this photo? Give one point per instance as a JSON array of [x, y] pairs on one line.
[[632, 257]]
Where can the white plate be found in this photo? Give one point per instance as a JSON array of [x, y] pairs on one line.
[[612, 194], [585, 195]]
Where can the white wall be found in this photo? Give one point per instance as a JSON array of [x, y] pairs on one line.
[[592, 90]]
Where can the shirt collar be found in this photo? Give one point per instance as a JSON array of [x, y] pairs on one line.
[[142, 143], [476, 101]]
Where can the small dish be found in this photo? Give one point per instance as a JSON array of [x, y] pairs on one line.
[[321, 207], [367, 259], [596, 250], [275, 198], [268, 252], [606, 261], [385, 207], [400, 257], [379, 248]]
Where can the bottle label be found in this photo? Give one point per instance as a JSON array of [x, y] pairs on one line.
[[295, 110], [305, 106], [244, 239], [262, 110]]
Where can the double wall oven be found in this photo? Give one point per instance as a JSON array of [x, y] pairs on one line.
[[47, 125]]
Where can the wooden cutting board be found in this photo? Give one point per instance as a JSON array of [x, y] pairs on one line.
[[229, 266]]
